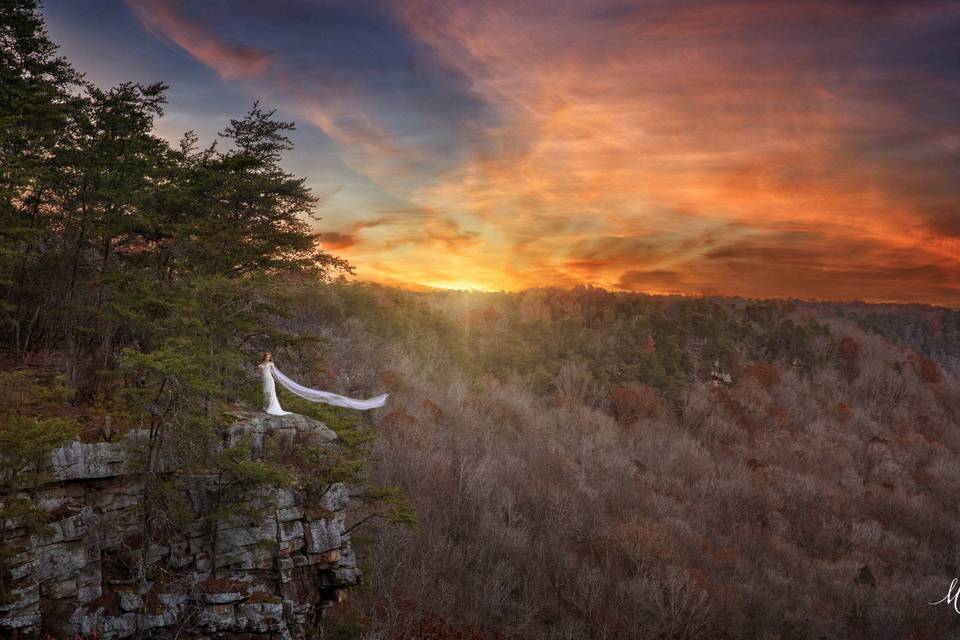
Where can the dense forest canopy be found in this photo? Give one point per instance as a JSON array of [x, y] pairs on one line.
[[553, 463], [137, 279]]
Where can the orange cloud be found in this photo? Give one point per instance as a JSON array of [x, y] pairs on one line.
[[796, 264], [335, 241], [750, 148], [231, 61], [680, 134]]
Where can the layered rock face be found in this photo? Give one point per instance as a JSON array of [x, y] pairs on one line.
[[276, 568]]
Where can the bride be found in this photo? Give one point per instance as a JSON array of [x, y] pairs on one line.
[[272, 406]]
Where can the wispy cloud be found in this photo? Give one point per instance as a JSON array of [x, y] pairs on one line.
[[166, 18], [333, 240], [668, 146], [740, 117]]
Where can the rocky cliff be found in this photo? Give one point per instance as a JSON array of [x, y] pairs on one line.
[[276, 570]]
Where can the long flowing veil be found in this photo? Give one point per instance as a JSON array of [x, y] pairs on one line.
[[315, 395]]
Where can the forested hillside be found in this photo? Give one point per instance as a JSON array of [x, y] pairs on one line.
[[551, 463], [932, 331], [590, 464]]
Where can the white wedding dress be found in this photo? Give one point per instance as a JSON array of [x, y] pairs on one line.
[[272, 403], [270, 400]]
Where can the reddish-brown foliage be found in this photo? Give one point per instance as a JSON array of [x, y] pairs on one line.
[[767, 374], [848, 354], [490, 314], [843, 412], [412, 623], [392, 380], [436, 414], [632, 402], [399, 418], [926, 369], [433, 627], [930, 428]]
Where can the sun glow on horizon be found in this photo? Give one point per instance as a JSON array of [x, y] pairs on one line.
[[758, 149], [458, 285]]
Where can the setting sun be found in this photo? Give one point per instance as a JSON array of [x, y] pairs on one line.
[[766, 150]]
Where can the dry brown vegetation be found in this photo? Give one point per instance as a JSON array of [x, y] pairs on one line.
[[798, 502]]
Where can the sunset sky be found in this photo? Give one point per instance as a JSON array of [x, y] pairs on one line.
[[765, 149]]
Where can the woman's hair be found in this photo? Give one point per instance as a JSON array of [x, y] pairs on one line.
[[266, 354]]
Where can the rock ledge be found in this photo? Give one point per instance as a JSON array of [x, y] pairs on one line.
[[276, 572]]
